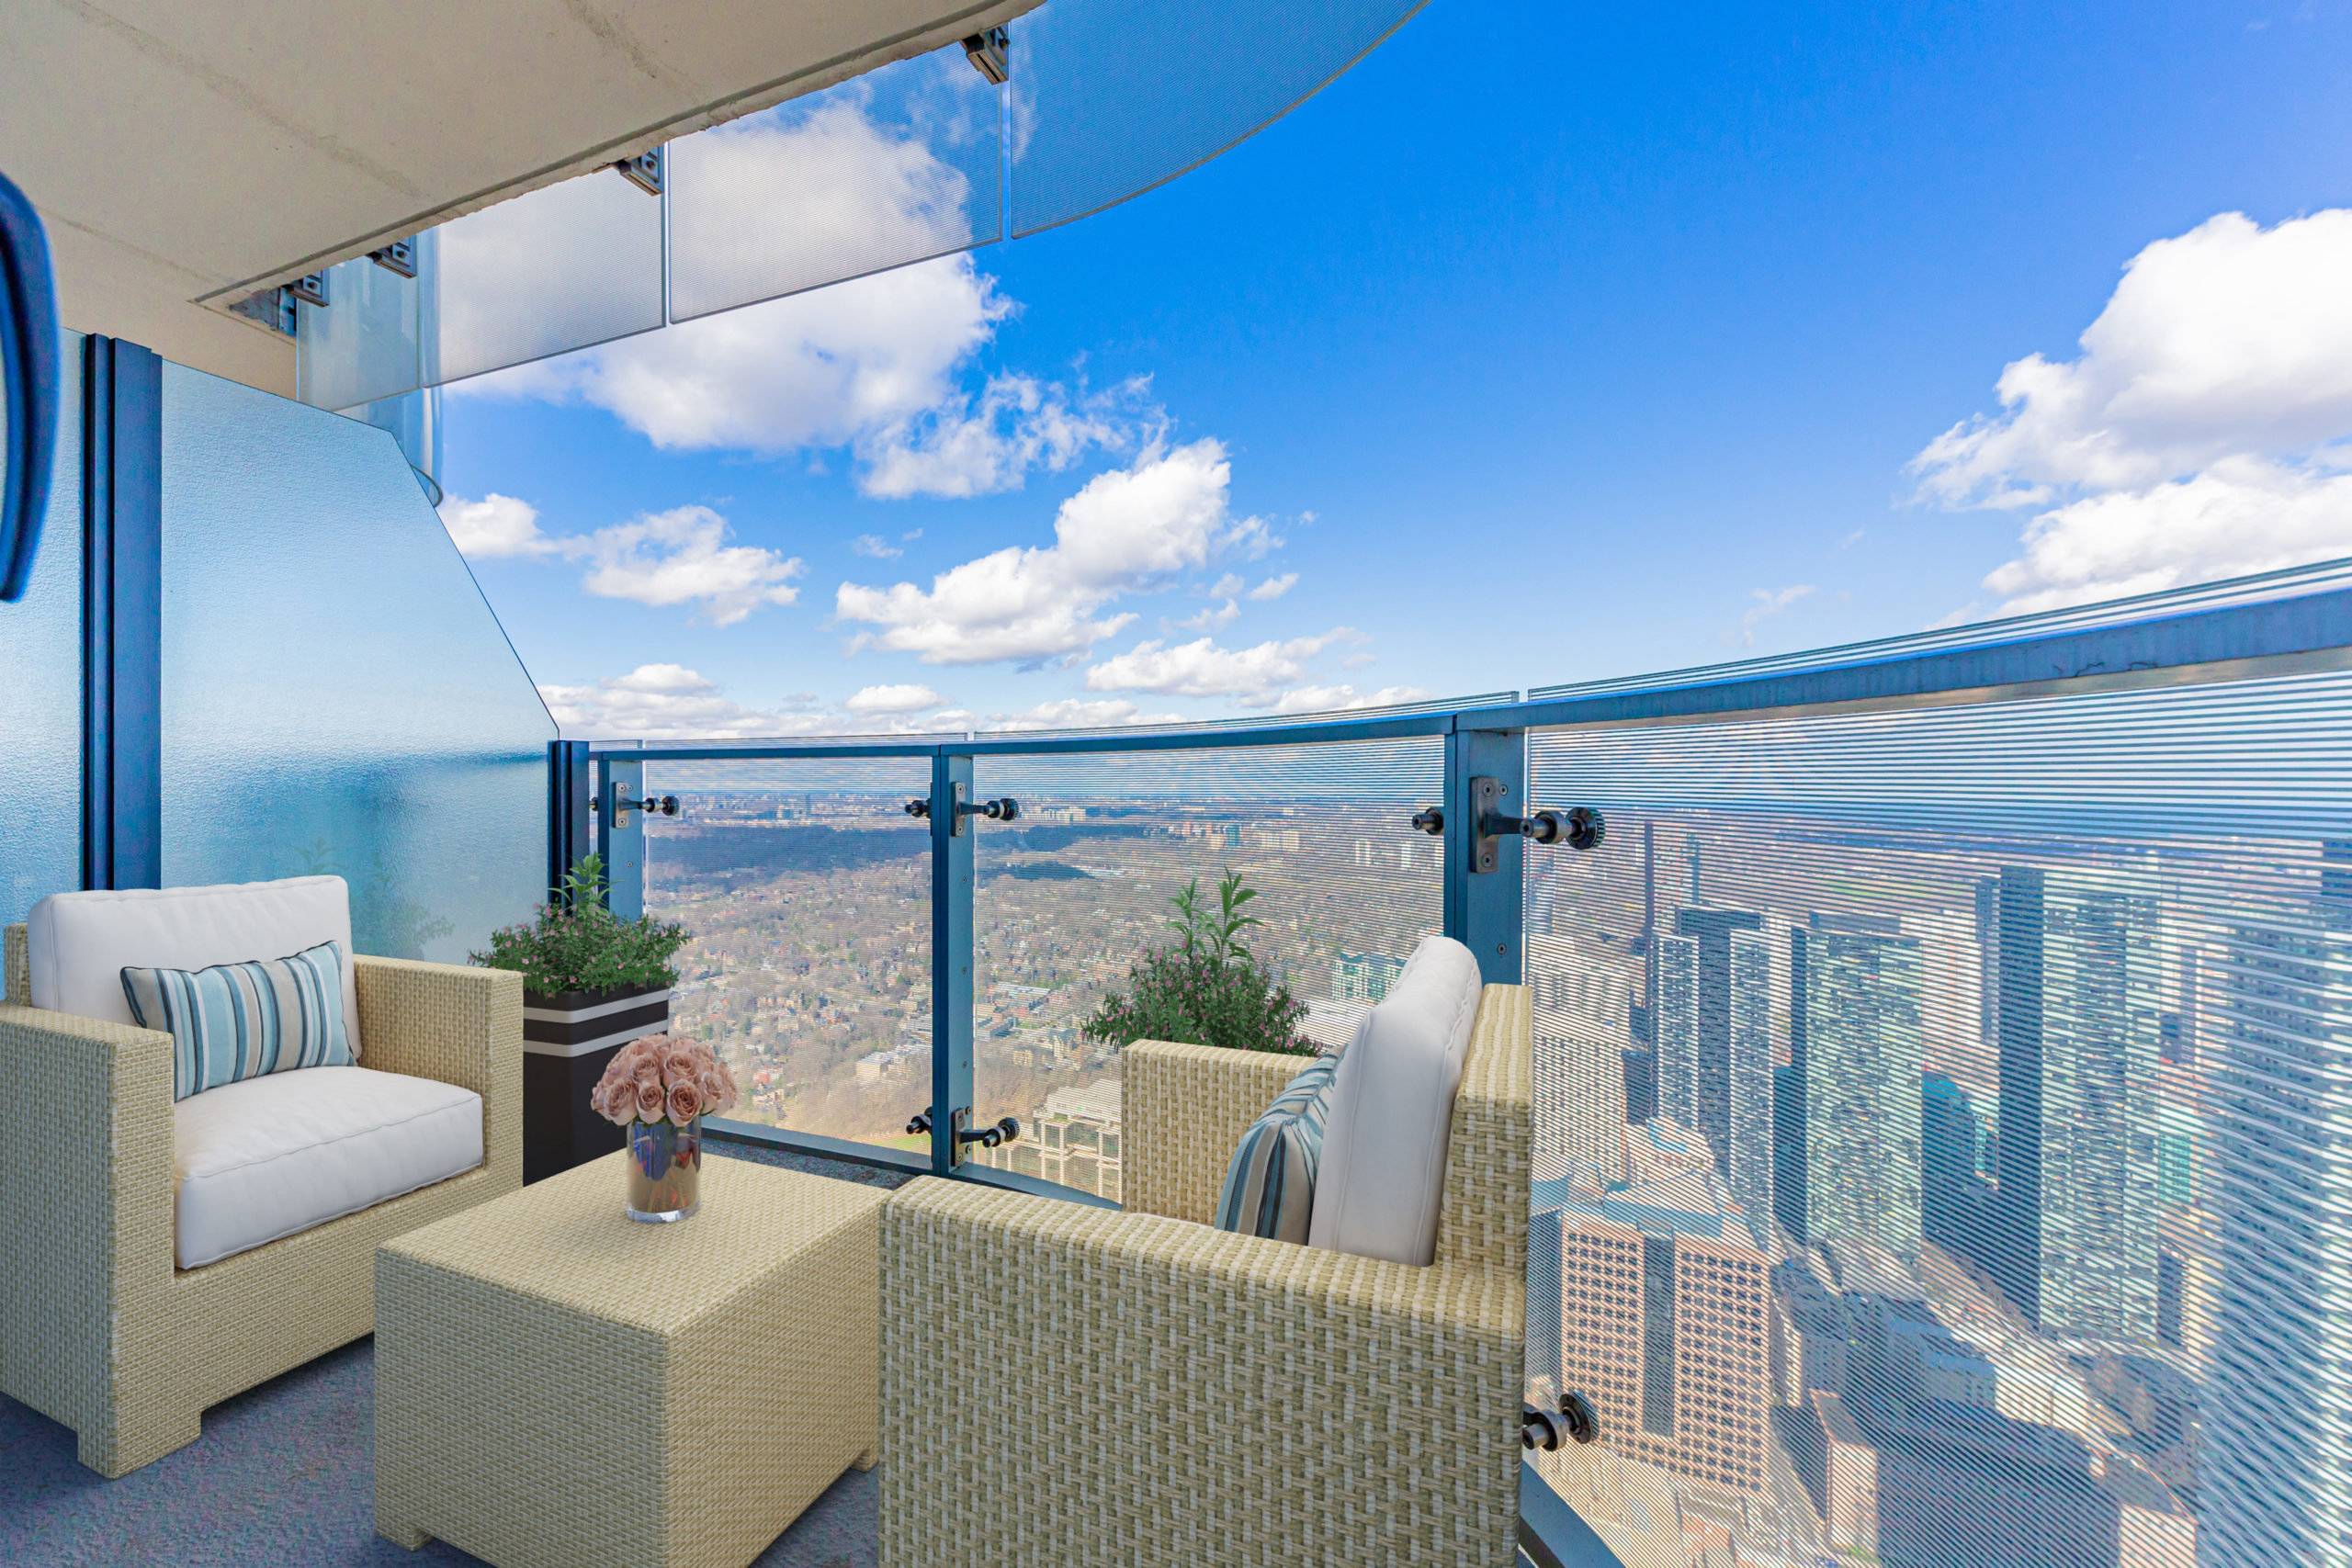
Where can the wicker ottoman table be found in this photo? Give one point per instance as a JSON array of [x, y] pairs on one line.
[[558, 1387]]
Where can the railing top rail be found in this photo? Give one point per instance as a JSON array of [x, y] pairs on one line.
[[2277, 623]]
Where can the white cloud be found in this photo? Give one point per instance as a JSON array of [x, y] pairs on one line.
[[1341, 698], [494, 526], [2202, 433], [893, 699], [1126, 531], [1769, 602], [1213, 618], [960, 448], [1202, 669], [680, 556], [875, 546], [1077, 713], [662, 702], [1229, 586], [1274, 588]]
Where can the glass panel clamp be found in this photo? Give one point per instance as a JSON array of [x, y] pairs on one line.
[[644, 171], [991, 54], [399, 257]]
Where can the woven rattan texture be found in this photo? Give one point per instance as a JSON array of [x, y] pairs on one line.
[[19, 965], [1482, 1217], [100, 1330], [1185, 1107], [558, 1387], [1175, 1394]]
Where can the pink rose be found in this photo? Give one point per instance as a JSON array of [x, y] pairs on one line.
[[686, 1101], [678, 1066], [650, 1102], [615, 1100], [714, 1096]]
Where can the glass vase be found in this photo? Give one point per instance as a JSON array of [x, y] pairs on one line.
[[664, 1170]]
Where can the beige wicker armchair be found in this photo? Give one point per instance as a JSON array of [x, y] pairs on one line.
[[98, 1329], [1066, 1385]]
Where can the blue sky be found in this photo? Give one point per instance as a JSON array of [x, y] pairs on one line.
[[1543, 344]]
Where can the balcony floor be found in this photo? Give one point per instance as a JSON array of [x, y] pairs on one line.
[[283, 1475]]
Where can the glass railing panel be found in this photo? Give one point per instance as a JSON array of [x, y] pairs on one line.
[[567, 266], [1942, 1130], [808, 890], [1073, 894], [362, 343], [337, 697], [898, 165], [1110, 98], [41, 696]]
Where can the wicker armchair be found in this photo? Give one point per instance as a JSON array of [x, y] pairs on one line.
[[1068, 1384], [98, 1329]]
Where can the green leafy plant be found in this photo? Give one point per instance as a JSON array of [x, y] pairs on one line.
[[575, 944], [1206, 989]]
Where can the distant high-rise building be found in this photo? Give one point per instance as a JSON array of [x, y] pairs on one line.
[[1579, 1064], [1789, 1135], [1749, 1072], [1951, 1196], [1664, 1324], [1863, 1056], [2073, 1238], [1677, 1020], [1710, 930], [2276, 1028]]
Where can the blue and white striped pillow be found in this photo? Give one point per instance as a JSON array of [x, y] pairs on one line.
[[240, 1020], [1270, 1186]]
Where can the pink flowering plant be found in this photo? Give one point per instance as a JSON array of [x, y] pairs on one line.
[[1206, 989], [662, 1077]]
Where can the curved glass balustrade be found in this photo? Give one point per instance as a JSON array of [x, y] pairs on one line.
[[917, 159]]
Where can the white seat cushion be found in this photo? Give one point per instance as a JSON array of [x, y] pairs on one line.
[[264, 1158], [80, 943], [1391, 1118]]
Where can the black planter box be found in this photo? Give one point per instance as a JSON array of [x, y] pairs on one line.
[[568, 1038]]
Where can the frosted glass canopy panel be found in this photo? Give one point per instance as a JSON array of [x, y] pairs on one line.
[[337, 697], [892, 167], [41, 697], [1110, 98], [362, 343], [573, 265]]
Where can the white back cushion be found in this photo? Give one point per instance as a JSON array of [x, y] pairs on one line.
[[79, 942], [1391, 1117]]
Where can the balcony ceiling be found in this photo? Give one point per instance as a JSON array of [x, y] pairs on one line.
[[185, 154]]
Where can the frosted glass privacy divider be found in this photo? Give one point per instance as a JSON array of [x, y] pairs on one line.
[[40, 691], [336, 694], [808, 889], [563, 267], [1110, 98], [899, 165], [1078, 889], [1957, 1098], [362, 343]]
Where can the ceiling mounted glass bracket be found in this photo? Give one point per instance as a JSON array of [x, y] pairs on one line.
[[399, 257], [991, 54], [644, 171]]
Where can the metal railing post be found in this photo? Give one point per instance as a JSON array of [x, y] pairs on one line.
[[951, 957], [570, 825], [621, 842], [1483, 907]]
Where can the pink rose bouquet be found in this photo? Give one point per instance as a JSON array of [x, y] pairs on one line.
[[663, 1078]]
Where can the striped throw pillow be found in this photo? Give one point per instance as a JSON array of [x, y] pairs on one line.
[[1270, 1186], [240, 1020]]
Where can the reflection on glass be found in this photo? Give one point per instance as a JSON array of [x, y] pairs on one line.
[[362, 343], [565, 266], [808, 890], [1936, 1151], [372, 720], [899, 165], [1110, 98], [1076, 892]]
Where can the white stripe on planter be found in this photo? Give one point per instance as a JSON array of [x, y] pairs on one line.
[[557, 1015], [581, 1047]]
